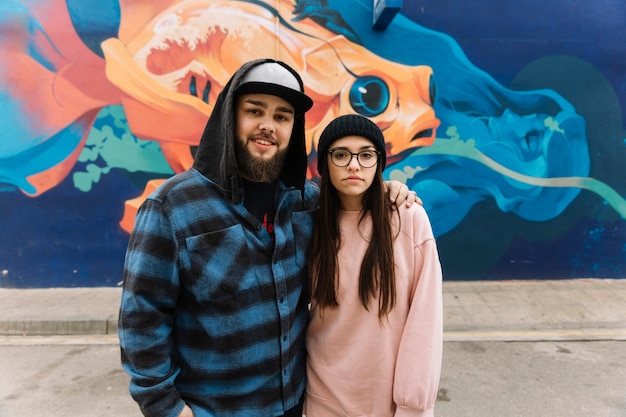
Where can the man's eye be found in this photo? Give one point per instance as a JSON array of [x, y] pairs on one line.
[[340, 154], [366, 155]]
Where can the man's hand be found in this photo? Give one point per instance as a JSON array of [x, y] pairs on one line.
[[399, 193], [186, 412]]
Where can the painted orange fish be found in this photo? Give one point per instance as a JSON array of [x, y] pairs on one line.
[[172, 58], [171, 66]]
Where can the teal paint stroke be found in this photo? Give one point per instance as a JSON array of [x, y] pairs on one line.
[[111, 145], [454, 146]]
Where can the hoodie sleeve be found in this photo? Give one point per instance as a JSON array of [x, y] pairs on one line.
[[418, 366]]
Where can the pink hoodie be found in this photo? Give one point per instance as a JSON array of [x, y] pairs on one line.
[[359, 366]]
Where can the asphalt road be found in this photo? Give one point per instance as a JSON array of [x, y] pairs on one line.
[[71, 377]]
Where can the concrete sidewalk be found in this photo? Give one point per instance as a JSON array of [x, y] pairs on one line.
[[581, 309]]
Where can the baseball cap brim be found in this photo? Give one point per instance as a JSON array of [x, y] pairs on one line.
[[300, 101], [273, 78]]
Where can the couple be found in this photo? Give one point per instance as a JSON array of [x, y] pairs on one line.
[[242, 277]]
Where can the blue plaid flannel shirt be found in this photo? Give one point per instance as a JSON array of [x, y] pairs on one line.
[[214, 311]]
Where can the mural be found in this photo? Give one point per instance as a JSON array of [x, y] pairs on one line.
[[101, 101]]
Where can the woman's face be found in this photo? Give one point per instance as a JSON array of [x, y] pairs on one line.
[[353, 179]]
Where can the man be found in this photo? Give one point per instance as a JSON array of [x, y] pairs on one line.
[[214, 305]]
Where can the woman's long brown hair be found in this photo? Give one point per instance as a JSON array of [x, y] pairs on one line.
[[377, 274]]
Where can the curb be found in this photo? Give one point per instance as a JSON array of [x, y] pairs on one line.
[[59, 311], [578, 309]]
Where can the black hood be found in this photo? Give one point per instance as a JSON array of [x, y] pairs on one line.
[[215, 156]]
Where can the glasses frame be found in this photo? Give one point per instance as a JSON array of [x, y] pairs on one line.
[[352, 155]]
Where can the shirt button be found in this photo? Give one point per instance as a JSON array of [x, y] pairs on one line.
[[281, 299], [284, 337]]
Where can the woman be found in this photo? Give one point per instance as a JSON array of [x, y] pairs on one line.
[[375, 337]]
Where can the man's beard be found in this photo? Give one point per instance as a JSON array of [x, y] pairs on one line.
[[256, 169]]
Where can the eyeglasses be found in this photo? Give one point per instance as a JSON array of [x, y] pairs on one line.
[[342, 158]]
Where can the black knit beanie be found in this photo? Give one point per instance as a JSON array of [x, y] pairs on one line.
[[350, 125]]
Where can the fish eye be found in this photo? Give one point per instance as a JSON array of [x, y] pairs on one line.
[[369, 96]]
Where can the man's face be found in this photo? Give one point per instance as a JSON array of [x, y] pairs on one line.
[[264, 126]]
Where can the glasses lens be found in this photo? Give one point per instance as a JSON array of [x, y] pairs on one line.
[[368, 159], [341, 158]]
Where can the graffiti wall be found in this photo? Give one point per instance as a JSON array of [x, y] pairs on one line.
[[508, 122]]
